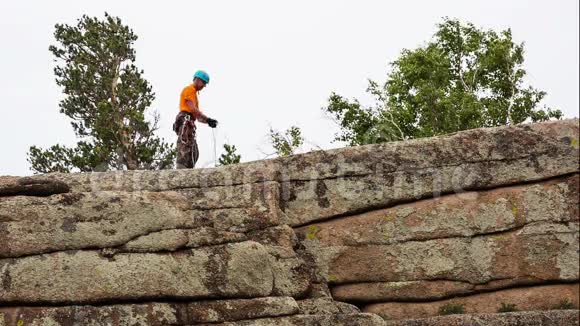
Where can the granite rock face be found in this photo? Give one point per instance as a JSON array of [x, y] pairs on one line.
[[546, 297], [528, 318], [240, 270], [476, 260], [153, 313], [319, 320], [393, 230], [466, 214]]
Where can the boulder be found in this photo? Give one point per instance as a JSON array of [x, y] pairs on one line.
[[526, 318], [151, 313], [545, 297], [543, 251], [466, 214], [71, 221], [401, 291], [175, 239], [240, 270], [327, 184], [391, 227], [421, 290], [318, 320], [27, 186], [325, 306]]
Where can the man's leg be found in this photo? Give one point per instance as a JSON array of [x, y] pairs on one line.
[[184, 153], [194, 151], [184, 158]]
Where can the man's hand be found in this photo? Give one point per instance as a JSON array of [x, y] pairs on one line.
[[212, 122]]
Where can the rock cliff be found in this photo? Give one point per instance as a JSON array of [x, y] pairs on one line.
[[478, 222]]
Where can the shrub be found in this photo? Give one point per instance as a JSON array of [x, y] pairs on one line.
[[507, 307], [564, 305], [451, 309]]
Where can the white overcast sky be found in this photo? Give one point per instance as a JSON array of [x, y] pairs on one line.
[[272, 63]]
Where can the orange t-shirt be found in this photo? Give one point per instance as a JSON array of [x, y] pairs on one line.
[[188, 93]]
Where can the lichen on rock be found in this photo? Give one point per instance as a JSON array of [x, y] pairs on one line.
[[399, 229]]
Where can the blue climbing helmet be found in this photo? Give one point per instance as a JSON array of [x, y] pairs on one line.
[[201, 75]]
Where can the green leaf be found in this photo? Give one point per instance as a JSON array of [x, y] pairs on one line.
[[465, 77], [286, 143], [230, 156]]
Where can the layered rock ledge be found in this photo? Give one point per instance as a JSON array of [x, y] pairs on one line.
[[381, 234]]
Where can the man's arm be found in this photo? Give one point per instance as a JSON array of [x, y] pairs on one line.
[[197, 114]]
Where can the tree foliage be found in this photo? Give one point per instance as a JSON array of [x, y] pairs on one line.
[[286, 143], [463, 78], [230, 156], [106, 98]]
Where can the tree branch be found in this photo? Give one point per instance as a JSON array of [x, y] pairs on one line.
[[461, 78], [511, 100], [391, 119]]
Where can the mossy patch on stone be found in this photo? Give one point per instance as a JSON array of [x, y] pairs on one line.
[[386, 234], [565, 304], [311, 232], [389, 218], [451, 308], [507, 307], [501, 236], [514, 210]]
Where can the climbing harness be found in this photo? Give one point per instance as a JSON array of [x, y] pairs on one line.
[[187, 134]]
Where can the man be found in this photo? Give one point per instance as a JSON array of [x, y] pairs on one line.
[[184, 126]]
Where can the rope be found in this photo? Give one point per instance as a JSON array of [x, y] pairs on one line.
[[183, 127], [214, 148]]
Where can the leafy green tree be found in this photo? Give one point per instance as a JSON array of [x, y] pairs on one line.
[[230, 156], [106, 97], [464, 78], [286, 143]]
